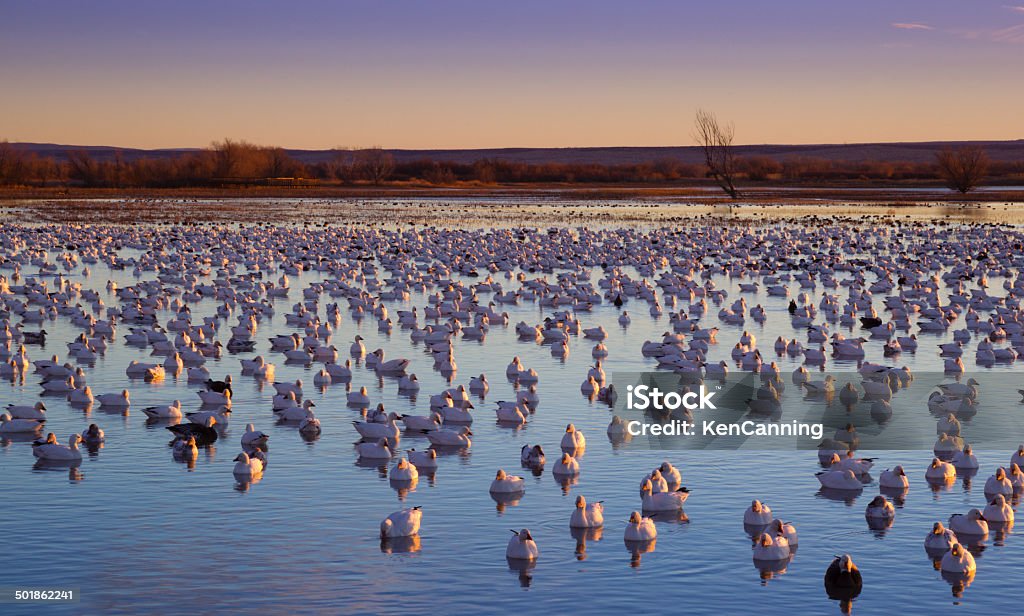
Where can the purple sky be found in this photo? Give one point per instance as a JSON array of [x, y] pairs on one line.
[[488, 74]]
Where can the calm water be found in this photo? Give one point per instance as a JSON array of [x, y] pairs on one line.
[[139, 532]]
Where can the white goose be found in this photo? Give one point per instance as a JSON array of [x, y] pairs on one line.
[[587, 515], [423, 460], [52, 450], [758, 514], [36, 411], [895, 478], [507, 484], [522, 546], [451, 437], [640, 528], [573, 439], [768, 548], [167, 411], [404, 471], [246, 467], [662, 501], [253, 438], [19, 426], [121, 400], [940, 538], [403, 523], [958, 561]]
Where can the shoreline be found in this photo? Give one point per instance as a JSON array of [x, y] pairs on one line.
[[914, 192]]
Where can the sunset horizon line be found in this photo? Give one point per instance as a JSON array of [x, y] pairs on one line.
[[340, 147]]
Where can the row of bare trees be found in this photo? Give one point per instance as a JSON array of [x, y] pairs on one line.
[[232, 162]]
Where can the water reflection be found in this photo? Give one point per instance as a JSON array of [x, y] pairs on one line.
[[637, 549]]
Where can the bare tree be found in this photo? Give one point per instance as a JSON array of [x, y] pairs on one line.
[[342, 164], [279, 164], [962, 169], [716, 141], [229, 156], [10, 161], [83, 168], [375, 164]]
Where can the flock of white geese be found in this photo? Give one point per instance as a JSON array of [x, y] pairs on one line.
[[896, 283]]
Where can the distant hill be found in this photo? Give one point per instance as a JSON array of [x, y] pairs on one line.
[[1004, 151]]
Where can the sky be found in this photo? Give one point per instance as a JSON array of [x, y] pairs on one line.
[[476, 73]]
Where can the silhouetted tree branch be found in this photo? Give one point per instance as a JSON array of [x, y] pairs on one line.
[[962, 169], [716, 141]]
